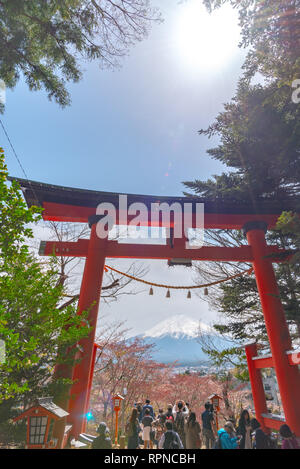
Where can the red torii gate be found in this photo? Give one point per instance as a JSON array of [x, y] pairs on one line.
[[77, 205]]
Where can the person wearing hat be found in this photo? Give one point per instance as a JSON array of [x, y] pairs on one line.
[[102, 441], [227, 437]]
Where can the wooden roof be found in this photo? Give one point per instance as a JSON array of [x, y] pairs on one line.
[[37, 193], [47, 405]]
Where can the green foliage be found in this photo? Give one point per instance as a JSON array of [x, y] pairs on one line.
[[36, 331], [259, 133], [234, 357], [37, 335], [14, 218], [45, 40], [289, 225]]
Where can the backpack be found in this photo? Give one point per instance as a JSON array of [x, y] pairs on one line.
[[170, 441], [179, 422]]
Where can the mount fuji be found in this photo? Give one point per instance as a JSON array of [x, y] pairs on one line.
[[175, 339]]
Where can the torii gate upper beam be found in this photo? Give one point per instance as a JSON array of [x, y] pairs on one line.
[[142, 251]]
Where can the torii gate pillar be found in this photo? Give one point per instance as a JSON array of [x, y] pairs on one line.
[[88, 301], [257, 386], [288, 376]]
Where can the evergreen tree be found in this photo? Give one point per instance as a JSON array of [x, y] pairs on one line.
[[259, 132], [259, 140], [36, 330], [45, 40]]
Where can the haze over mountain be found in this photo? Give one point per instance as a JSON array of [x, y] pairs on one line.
[[175, 339]]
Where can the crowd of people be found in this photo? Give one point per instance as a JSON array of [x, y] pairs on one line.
[[178, 428]]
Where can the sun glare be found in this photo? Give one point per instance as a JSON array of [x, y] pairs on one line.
[[206, 41]]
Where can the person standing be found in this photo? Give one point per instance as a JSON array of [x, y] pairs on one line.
[[244, 430], [227, 437], [169, 414], [207, 426], [180, 413], [289, 440], [133, 430], [259, 438], [192, 432], [148, 406], [159, 425], [139, 408], [147, 427], [170, 439]]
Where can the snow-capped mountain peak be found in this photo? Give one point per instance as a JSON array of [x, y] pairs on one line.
[[178, 326]]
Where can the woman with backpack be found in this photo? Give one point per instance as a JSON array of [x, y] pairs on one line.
[[192, 432], [133, 430], [289, 440], [170, 439]]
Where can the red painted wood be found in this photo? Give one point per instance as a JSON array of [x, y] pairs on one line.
[[71, 213], [293, 359], [288, 377], [65, 248], [271, 423], [258, 392], [31, 413], [142, 251], [90, 382], [88, 301], [263, 363]]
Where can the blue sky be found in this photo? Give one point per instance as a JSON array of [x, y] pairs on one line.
[[134, 130]]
